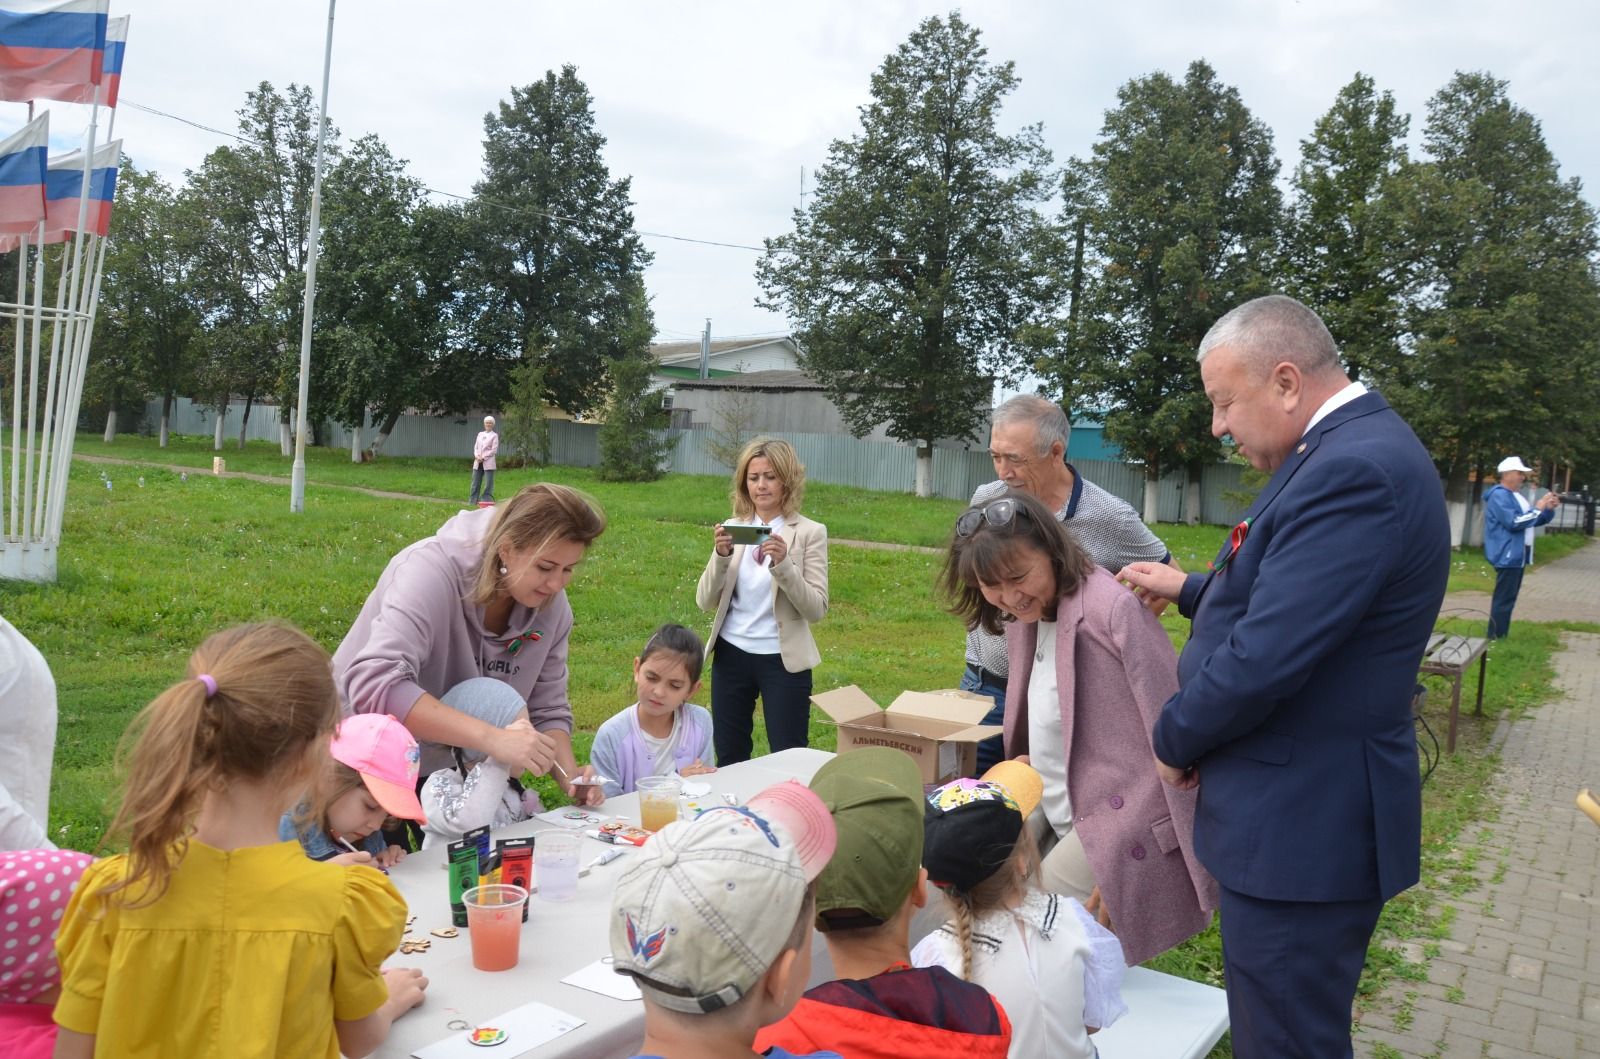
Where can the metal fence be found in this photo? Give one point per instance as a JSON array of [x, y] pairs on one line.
[[839, 459]]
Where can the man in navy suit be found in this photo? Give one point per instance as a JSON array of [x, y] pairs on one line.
[[1293, 714]]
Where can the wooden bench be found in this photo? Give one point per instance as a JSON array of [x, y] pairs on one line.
[[1450, 656]]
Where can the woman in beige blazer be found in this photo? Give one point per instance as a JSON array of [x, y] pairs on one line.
[[765, 597]]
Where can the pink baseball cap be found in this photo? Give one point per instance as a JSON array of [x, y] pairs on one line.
[[799, 811], [379, 747]]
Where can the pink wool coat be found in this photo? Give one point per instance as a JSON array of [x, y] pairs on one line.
[[1115, 668]]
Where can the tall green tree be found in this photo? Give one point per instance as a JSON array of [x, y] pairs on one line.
[[1341, 252], [1180, 215], [633, 443], [381, 308], [921, 272], [553, 256], [1505, 309], [145, 329]]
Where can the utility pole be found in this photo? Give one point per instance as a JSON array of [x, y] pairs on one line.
[[297, 478], [705, 351]]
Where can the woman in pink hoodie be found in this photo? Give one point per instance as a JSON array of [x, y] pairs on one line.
[[483, 451]]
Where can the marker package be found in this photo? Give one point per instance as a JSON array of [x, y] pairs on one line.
[[516, 865], [463, 864]]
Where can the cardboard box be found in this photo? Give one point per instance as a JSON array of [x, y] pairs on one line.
[[939, 729]]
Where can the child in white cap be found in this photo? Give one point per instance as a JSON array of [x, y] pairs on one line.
[[713, 919]]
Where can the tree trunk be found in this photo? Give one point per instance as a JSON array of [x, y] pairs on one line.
[[355, 442], [384, 432], [166, 417], [1152, 493], [222, 413], [111, 426], [286, 437], [925, 469], [1191, 496], [1455, 497], [245, 422]]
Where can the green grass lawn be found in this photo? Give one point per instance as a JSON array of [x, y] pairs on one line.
[[147, 572]]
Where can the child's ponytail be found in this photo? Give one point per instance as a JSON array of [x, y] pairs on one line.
[[258, 698]]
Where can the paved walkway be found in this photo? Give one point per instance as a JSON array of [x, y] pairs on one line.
[[1519, 974]]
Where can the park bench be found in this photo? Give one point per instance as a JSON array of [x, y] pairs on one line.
[[1450, 656]]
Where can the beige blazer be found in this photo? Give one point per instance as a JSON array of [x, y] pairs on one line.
[[799, 590]]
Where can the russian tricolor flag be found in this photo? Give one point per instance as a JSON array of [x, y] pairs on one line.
[[52, 49], [63, 192], [111, 69], [22, 176]]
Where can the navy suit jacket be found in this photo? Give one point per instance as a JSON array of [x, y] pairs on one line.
[[1296, 682]]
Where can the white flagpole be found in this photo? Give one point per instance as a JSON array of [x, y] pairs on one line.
[[52, 401], [16, 381], [97, 250], [298, 475], [297, 478], [33, 383]]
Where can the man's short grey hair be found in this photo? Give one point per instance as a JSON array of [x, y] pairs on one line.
[[1050, 423], [1271, 330]]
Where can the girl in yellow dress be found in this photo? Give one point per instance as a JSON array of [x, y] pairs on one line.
[[210, 936]]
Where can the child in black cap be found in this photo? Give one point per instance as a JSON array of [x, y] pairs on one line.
[[1057, 971]]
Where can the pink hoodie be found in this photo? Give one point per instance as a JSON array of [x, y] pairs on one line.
[[485, 447], [419, 632]]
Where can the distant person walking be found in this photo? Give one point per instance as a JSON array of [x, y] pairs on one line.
[[483, 451], [1508, 525]]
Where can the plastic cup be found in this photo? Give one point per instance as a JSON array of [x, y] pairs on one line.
[[494, 921], [658, 801], [555, 864]]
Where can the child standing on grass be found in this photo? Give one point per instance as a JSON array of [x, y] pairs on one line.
[[1057, 972], [370, 776], [663, 733], [210, 936]]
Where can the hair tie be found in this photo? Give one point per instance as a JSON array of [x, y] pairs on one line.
[[210, 682]]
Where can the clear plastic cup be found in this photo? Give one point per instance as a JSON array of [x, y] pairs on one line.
[[494, 921], [658, 801], [555, 864]]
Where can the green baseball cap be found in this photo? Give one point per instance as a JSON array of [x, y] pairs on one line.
[[875, 796]]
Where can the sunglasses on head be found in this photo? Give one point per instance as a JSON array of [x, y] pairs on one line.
[[997, 513]]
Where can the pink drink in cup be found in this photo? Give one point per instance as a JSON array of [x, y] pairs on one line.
[[494, 921]]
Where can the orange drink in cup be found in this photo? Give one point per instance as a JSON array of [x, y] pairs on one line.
[[658, 801], [494, 921]]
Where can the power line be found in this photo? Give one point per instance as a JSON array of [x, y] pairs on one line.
[[525, 211]]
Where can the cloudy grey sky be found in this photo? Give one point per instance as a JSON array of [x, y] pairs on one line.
[[713, 108]]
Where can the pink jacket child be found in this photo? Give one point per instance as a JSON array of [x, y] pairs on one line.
[[1115, 668], [35, 885]]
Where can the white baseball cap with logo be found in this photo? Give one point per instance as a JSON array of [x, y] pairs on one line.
[[705, 909], [1513, 463]]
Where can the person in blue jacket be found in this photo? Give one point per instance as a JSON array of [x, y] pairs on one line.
[[1508, 524]]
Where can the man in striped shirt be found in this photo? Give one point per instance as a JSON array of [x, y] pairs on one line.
[[1028, 443]]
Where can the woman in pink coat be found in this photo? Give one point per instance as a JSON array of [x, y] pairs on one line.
[[1090, 670]]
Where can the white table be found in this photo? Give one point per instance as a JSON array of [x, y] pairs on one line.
[[1168, 1017], [557, 939]]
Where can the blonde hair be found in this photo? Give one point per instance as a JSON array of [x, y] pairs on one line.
[[337, 780], [536, 518], [274, 705], [785, 464], [1000, 890]]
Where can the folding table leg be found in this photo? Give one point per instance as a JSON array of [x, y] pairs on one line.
[[1455, 712]]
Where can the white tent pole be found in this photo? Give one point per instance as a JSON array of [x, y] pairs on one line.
[[297, 478]]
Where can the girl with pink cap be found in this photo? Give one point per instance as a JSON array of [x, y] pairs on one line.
[[370, 777]]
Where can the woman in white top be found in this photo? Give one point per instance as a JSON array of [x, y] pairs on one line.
[[765, 597]]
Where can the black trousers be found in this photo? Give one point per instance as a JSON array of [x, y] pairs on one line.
[[737, 677]]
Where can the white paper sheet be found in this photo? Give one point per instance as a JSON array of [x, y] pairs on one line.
[[695, 789], [526, 1027], [571, 816], [598, 977]]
